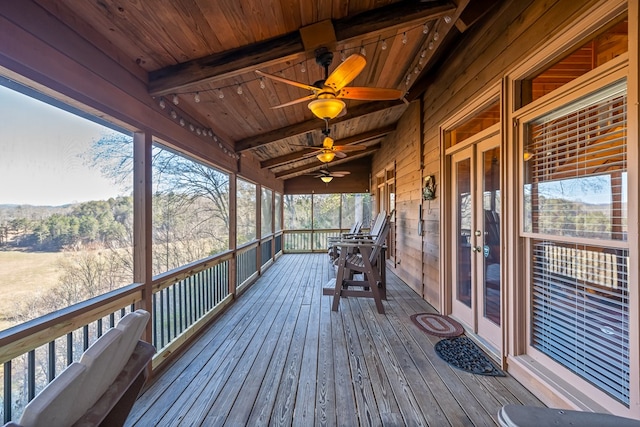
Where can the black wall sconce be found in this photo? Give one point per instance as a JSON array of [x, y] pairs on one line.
[[429, 189]]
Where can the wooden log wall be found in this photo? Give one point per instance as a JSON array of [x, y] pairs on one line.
[[403, 146], [503, 38]]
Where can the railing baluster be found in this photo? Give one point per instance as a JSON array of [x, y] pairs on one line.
[[51, 374], [161, 319], [192, 300], [69, 348], [181, 305], [175, 310], [167, 314], [85, 337], [8, 399], [154, 317], [31, 374]]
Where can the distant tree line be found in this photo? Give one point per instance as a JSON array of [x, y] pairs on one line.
[[102, 223]]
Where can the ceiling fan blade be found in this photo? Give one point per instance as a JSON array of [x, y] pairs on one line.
[[287, 81], [340, 154], [295, 101], [340, 174], [349, 147], [346, 72], [369, 93]]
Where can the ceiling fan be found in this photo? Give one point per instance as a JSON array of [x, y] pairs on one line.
[[326, 176], [326, 99], [329, 151]]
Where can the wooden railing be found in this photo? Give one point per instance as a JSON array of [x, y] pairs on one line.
[[33, 353], [183, 302], [309, 240], [246, 265], [266, 251], [278, 243]]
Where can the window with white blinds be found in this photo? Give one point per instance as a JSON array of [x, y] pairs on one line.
[[575, 190], [576, 169], [580, 312]]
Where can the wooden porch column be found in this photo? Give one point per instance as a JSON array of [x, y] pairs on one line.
[[142, 261], [233, 235], [259, 227]]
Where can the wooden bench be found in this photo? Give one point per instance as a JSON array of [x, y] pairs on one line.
[[361, 256], [99, 389]]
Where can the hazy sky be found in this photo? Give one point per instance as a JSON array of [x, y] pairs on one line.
[[41, 150]]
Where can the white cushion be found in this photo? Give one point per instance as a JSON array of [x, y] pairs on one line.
[[102, 361], [132, 325], [56, 404]]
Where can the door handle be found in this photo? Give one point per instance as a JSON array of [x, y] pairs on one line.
[[476, 249]]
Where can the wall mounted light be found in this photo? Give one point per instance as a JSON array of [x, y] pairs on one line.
[[429, 189]]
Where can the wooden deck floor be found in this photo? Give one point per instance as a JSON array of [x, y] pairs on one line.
[[279, 356]]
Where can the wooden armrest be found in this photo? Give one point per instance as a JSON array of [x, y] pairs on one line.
[[346, 244]]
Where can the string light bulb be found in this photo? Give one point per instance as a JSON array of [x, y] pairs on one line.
[[303, 68], [173, 114], [430, 45], [436, 36], [220, 94], [447, 19], [363, 51], [196, 97], [239, 90], [162, 104], [262, 85], [404, 38], [425, 28], [343, 56], [384, 45], [182, 123], [175, 100]]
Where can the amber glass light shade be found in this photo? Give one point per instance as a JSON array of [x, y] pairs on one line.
[[326, 108], [326, 156], [326, 179]]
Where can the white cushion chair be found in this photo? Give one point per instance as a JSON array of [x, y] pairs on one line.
[[54, 406], [101, 388]]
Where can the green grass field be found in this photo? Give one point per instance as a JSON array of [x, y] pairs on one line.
[[25, 274]]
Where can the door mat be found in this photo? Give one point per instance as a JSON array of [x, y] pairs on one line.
[[437, 324], [464, 354]]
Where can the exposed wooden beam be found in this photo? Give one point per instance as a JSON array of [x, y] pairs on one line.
[[393, 16], [223, 65], [355, 139], [313, 124], [318, 165], [473, 11]]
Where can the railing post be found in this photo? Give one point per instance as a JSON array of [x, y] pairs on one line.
[[142, 227], [259, 228], [233, 234]]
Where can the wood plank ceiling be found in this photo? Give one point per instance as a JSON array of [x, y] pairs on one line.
[[204, 53]]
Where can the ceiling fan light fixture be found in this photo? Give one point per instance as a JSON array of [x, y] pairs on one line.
[[326, 179], [326, 108], [326, 156]]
